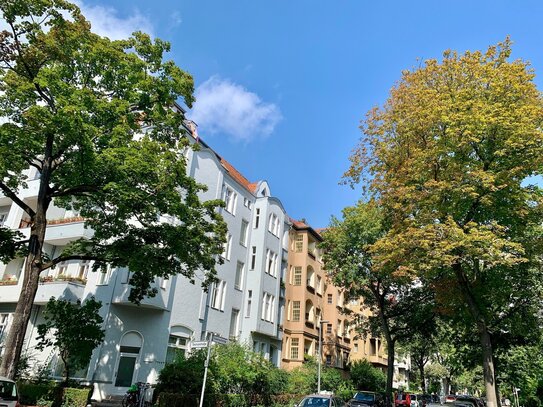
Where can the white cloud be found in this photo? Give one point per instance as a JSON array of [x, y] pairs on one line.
[[106, 22], [226, 107]]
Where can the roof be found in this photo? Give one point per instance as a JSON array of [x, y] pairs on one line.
[[234, 173], [300, 225]]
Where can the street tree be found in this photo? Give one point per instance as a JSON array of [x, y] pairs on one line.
[[447, 157], [397, 301], [95, 119], [73, 329]]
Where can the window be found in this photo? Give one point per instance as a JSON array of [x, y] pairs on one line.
[[227, 247], [268, 305], [247, 203], [177, 346], [330, 299], [339, 328], [234, 323], [84, 269], [271, 263], [294, 348], [328, 328], [244, 233], [4, 324], [273, 224], [253, 258], [356, 346], [297, 275], [239, 276], [103, 277], [328, 360], [62, 268], [230, 199], [3, 217], [218, 295], [346, 332], [299, 243], [319, 282], [257, 218], [296, 310], [249, 301]]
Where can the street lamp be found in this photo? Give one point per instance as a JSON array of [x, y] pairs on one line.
[[320, 356]]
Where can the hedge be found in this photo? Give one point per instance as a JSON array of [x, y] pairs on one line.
[[49, 394]]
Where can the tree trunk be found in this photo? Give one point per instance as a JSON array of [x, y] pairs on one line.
[[489, 374], [15, 339], [422, 378], [33, 268], [390, 371]]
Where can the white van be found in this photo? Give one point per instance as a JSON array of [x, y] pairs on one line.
[[8, 393]]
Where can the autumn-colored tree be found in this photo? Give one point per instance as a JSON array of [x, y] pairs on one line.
[[447, 157], [95, 121], [398, 303]]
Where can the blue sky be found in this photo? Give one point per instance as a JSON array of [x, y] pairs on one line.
[[282, 85]]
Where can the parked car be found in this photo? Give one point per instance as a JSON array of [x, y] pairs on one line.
[[366, 398], [321, 400], [468, 401], [402, 399], [9, 397]]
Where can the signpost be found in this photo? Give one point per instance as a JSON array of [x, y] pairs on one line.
[[202, 344]]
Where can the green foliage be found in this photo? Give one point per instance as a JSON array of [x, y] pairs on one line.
[[446, 157], [75, 397], [76, 331], [30, 393], [176, 400], [97, 120], [184, 376], [367, 377]]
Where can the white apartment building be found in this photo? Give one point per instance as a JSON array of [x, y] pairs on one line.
[[245, 305]]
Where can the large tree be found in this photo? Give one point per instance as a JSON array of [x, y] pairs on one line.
[[95, 119], [398, 302], [447, 156]]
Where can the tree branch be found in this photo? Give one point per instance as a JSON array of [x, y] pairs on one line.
[[78, 190], [10, 194]]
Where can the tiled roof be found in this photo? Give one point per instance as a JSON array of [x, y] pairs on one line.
[[251, 187]]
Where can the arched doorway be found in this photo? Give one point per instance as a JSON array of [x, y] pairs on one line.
[[129, 355]]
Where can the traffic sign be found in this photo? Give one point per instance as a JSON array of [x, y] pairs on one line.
[[198, 344], [220, 340]]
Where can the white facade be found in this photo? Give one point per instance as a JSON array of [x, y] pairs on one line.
[[246, 304]]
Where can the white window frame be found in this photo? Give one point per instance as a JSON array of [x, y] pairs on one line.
[[244, 233], [218, 295], [230, 200], [240, 272]]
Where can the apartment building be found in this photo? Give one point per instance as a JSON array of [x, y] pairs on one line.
[[312, 304], [245, 304]]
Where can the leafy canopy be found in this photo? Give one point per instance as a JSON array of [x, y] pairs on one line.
[[96, 119]]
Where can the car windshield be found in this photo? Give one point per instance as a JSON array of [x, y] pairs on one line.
[[364, 396], [401, 396], [315, 401], [8, 391]]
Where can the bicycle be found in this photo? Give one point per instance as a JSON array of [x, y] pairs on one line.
[[136, 395]]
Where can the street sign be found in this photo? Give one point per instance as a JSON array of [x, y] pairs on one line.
[[198, 344], [220, 340]]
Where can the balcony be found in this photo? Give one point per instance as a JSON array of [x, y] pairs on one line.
[[10, 290], [60, 231], [158, 302], [63, 288]]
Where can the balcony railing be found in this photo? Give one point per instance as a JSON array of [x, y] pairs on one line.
[[9, 281], [62, 277], [25, 222]]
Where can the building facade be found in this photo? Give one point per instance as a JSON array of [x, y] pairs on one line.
[[245, 304], [312, 304]]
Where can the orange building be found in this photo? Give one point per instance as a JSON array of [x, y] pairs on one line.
[[311, 301]]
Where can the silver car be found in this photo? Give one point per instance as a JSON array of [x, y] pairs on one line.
[[8, 393], [321, 400]]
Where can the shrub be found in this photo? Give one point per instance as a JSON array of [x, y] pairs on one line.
[[367, 377], [177, 400], [75, 397], [30, 393]]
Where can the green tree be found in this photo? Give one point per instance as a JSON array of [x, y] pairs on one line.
[[397, 301], [73, 329], [95, 118], [447, 156], [367, 377]]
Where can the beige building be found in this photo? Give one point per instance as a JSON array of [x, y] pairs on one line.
[[312, 301]]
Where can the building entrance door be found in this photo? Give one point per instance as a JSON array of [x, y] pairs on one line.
[[125, 370]]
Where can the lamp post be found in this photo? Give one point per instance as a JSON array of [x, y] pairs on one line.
[[319, 360]]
